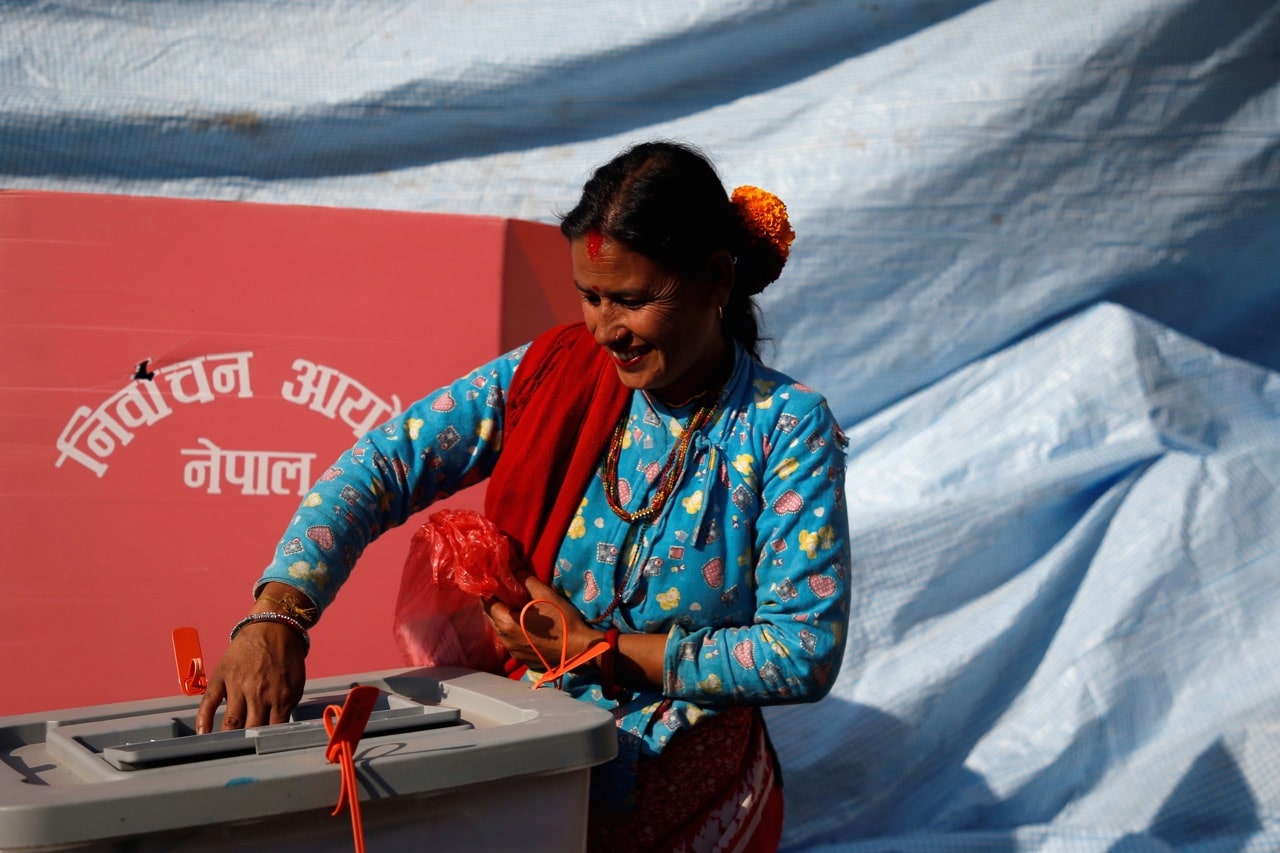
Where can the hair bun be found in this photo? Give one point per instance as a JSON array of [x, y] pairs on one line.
[[764, 217]]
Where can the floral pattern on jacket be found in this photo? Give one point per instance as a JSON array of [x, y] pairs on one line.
[[746, 570]]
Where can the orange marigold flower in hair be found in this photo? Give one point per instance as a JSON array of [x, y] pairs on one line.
[[765, 216]]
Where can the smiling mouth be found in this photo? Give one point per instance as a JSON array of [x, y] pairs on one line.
[[628, 357]]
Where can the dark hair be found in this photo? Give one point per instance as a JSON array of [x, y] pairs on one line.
[[665, 201]]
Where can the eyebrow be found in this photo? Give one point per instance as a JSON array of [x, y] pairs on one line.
[[613, 293]]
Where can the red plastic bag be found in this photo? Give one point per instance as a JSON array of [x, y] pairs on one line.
[[456, 558]]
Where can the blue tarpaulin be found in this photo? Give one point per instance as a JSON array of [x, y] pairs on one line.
[[1037, 273]]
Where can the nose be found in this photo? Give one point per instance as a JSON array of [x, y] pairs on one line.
[[606, 327]]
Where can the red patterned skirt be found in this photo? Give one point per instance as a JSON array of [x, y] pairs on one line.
[[715, 787]]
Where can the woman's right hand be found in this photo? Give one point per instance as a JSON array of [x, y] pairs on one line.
[[261, 677]]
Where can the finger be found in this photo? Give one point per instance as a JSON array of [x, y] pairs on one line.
[[499, 614], [257, 714], [279, 714], [233, 717], [209, 706]]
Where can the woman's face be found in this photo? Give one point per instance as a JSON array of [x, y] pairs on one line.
[[661, 330]]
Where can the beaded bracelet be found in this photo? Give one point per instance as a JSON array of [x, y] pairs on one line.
[[272, 616]]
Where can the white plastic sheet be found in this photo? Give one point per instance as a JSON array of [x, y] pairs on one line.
[[1035, 275], [1064, 635]]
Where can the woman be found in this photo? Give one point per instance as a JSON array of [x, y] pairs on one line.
[[673, 495]]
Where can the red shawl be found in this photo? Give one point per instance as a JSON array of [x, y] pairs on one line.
[[564, 402]]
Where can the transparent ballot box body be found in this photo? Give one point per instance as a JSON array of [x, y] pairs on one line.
[[449, 759]]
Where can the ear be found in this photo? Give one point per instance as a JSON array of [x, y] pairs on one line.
[[720, 276]]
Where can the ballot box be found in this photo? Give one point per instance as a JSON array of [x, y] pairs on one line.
[[449, 759]]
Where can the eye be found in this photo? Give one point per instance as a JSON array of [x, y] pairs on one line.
[[590, 298]]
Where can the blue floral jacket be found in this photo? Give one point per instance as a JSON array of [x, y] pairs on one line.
[[746, 570]]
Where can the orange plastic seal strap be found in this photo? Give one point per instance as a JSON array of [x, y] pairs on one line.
[[189, 661], [592, 652], [345, 726]]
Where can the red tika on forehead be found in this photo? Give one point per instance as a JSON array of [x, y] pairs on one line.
[[595, 240]]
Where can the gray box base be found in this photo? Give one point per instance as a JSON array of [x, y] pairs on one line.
[[451, 759]]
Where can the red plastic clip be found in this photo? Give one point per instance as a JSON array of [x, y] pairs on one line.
[[190, 662], [345, 726]]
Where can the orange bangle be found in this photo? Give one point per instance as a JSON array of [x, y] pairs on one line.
[[608, 665]]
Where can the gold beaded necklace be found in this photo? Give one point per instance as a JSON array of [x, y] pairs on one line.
[[671, 470]]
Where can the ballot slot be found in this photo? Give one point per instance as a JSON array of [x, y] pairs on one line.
[[165, 739]]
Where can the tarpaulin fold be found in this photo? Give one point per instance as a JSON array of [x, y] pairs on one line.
[[1035, 274]]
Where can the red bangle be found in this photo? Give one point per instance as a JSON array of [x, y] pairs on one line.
[[608, 665]]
